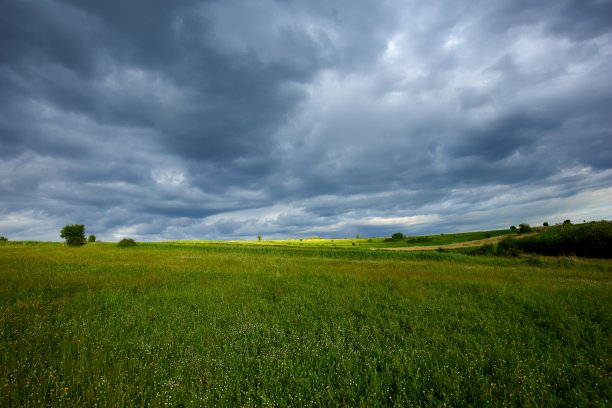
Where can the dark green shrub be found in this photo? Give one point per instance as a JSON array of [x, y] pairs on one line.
[[545, 224], [508, 247], [513, 227], [593, 239], [3, 239], [73, 234], [397, 236], [91, 238], [126, 242], [524, 228], [487, 249]]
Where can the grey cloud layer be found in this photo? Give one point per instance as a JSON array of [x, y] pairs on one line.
[[218, 119]]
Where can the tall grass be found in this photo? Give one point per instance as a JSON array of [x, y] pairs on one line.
[[172, 325]]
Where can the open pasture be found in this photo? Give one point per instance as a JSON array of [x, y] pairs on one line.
[[171, 324]]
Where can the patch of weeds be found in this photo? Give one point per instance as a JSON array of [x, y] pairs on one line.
[[533, 261], [566, 262]]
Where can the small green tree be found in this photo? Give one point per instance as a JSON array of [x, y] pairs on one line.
[[545, 224], [397, 236], [259, 238], [74, 235], [524, 228], [91, 238], [3, 239], [567, 222], [513, 227]]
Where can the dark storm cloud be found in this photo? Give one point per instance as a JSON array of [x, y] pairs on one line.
[[191, 119], [576, 19]]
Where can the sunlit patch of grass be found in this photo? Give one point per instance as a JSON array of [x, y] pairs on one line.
[[193, 324]]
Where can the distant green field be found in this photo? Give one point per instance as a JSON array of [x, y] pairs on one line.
[[373, 242], [186, 324]]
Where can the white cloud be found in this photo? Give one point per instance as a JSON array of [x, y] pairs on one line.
[[169, 177], [29, 225]]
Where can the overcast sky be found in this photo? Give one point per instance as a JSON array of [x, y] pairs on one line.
[[164, 120]]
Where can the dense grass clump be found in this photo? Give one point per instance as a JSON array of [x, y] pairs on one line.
[[197, 325]]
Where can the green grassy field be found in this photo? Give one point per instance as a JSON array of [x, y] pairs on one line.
[[174, 324], [365, 243]]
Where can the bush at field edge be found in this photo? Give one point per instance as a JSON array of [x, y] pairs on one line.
[[126, 242]]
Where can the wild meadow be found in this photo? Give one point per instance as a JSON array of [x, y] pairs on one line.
[[174, 324]]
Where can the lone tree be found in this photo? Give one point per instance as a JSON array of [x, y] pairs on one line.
[[524, 228], [91, 238], [74, 235], [3, 239]]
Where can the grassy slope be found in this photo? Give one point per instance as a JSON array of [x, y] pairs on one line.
[[238, 325]]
